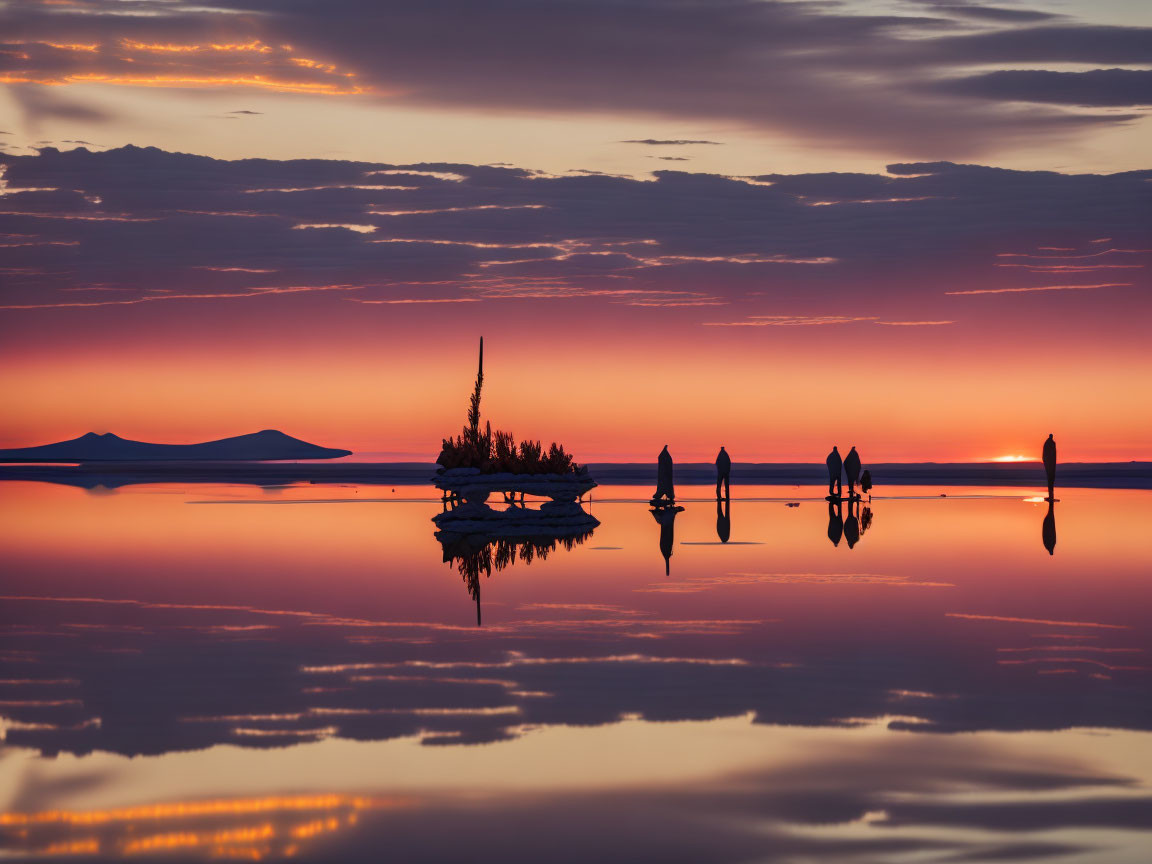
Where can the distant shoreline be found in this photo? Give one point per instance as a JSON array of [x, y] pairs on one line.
[[1100, 475]]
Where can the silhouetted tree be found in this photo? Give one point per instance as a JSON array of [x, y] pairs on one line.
[[497, 451]]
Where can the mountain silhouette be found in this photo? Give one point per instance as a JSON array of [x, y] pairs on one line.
[[258, 446]]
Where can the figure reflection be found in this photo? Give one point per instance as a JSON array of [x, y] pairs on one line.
[[666, 517], [835, 522], [852, 524], [724, 519], [849, 528], [1048, 531]]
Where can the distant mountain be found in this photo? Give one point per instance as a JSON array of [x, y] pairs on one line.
[[259, 446]]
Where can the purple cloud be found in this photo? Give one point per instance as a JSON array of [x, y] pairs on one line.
[[163, 229], [849, 76]]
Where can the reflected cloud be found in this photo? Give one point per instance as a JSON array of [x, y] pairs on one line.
[[306, 680], [836, 692], [695, 586], [849, 802], [216, 828]]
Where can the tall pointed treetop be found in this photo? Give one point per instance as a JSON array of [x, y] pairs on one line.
[[474, 407]]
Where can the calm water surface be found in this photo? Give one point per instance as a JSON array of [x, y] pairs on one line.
[[194, 672]]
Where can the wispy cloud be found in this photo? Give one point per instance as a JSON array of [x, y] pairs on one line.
[[1072, 268], [791, 321], [407, 300], [671, 142], [1072, 257], [711, 301], [151, 298], [1008, 619], [914, 323], [1031, 288], [347, 226]]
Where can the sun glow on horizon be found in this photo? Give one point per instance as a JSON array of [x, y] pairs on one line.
[[1015, 458]]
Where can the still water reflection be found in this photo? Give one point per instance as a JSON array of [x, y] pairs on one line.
[[226, 673]]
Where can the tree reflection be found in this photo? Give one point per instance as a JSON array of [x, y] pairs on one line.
[[476, 555]]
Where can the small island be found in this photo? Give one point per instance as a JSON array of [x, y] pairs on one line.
[[476, 463]]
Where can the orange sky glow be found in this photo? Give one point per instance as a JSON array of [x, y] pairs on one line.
[[604, 400]]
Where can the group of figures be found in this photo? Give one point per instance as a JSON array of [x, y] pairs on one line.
[[665, 508], [666, 487], [857, 522], [849, 466], [850, 528]]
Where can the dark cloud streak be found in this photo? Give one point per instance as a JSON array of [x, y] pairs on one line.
[[657, 142], [1097, 88], [806, 70]]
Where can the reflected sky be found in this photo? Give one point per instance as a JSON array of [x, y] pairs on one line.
[[298, 672]]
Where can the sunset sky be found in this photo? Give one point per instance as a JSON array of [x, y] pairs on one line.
[[922, 228]]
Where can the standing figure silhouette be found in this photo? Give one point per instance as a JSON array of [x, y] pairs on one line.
[[664, 486], [1050, 466], [866, 484], [852, 469], [835, 466], [723, 470]]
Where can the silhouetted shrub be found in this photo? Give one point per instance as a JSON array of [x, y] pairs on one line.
[[498, 451]]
